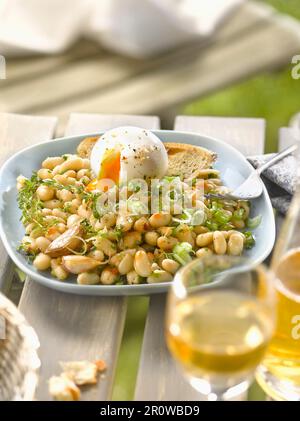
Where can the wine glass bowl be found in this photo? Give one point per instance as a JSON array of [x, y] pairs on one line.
[[220, 318]]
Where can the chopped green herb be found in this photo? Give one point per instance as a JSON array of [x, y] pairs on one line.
[[250, 240], [254, 222]]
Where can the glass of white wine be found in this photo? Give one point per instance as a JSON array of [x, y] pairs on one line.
[[220, 319]]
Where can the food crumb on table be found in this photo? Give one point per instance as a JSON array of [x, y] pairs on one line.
[[75, 373]]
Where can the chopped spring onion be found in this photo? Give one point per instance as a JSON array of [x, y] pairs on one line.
[[250, 241], [181, 253], [134, 186], [199, 217], [216, 206], [136, 207], [169, 179], [212, 226], [192, 217], [254, 222], [222, 216], [238, 214]]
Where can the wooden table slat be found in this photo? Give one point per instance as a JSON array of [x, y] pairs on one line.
[[20, 69], [17, 132], [201, 71], [245, 134], [110, 83], [287, 137], [158, 378]]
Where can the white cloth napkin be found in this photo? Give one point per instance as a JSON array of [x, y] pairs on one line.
[[138, 28]]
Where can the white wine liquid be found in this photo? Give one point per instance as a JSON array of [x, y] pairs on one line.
[[219, 333]]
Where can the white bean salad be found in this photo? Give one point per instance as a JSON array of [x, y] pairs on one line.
[[66, 234]]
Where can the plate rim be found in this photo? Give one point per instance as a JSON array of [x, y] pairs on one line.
[[120, 290]]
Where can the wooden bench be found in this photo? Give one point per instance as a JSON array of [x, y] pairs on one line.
[[79, 327], [253, 39]]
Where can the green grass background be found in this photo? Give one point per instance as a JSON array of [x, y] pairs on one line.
[[273, 96]]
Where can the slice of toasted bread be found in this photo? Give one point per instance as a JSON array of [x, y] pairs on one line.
[[187, 161], [85, 147]]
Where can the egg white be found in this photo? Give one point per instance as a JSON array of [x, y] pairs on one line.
[[143, 154]]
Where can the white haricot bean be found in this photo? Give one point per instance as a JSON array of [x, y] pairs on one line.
[[88, 278], [116, 259], [29, 228], [52, 234], [105, 245], [72, 181], [170, 265], [235, 244], [166, 243], [203, 252], [44, 174], [109, 276], [141, 224], [75, 164], [132, 239], [239, 224], [70, 174], [59, 273], [199, 229], [160, 219], [151, 238], [84, 212], [29, 244], [57, 270], [142, 264], [60, 214], [47, 212], [108, 220], [220, 245], [124, 222], [159, 276], [166, 231], [185, 236], [37, 232], [82, 173], [52, 162], [55, 219], [205, 239], [42, 262], [126, 264], [53, 204], [132, 278], [61, 179], [97, 255], [155, 266], [65, 195], [61, 227], [42, 243], [73, 219], [72, 206], [45, 193]]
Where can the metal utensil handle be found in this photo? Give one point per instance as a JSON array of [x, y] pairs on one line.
[[277, 158]]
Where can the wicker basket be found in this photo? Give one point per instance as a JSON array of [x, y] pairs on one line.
[[19, 362]]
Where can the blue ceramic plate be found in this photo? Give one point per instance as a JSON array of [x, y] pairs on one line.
[[232, 164]]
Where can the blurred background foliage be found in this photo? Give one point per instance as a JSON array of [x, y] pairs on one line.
[[273, 96]]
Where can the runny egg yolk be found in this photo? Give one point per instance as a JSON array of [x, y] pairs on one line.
[[109, 169]]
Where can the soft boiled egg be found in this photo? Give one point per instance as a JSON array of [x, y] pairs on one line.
[[126, 153]]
